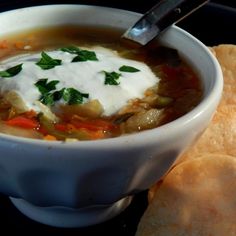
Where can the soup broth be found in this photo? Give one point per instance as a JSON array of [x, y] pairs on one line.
[[72, 112]]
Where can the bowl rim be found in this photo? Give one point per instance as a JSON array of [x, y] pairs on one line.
[[134, 139]]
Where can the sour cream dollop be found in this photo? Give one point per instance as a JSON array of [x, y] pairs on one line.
[[87, 77]]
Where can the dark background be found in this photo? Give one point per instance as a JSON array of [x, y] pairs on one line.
[[135, 5], [213, 24]]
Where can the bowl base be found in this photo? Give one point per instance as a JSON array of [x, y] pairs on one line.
[[65, 217]]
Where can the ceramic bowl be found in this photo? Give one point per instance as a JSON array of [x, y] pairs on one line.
[[84, 183]]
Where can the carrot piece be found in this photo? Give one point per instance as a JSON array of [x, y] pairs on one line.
[[93, 135], [23, 122], [50, 137], [97, 134], [93, 125], [4, 44], [19, 45]]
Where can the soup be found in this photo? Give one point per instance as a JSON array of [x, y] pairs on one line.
[[83, 83]]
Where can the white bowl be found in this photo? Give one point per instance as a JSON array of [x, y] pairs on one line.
[[84, 183]]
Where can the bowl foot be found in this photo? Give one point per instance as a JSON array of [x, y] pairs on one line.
[[65, 217]]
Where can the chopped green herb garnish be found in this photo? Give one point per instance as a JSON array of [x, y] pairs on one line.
[[44, 86], [70, 96], [57, 95], [129, 69], [47, 99], [82, 55], [71, 49], [49, 94], [111, 78], [11, 71], [85, 55], [47, 62], [73, 96], [45, 89]]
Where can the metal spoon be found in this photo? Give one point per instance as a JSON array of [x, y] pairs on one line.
[[161, 16]]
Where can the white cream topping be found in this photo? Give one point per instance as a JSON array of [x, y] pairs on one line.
[[86, 77]]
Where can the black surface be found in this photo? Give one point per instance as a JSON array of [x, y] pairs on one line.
[[14, 223], [139, 5], [213, 24]]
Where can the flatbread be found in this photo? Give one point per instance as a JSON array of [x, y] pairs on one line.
[[226, 55], [220, 135], [196, 198]]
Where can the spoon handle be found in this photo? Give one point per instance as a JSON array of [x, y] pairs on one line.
[[161, 16]]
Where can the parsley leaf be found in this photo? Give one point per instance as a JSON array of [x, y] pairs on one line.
[[45, 89], [11, 71], [70, 96], [73, 96], [129, 69], [49, 94], [71, 49], [111, 78], [57, 95], [49, 99], [47, 62], [85, 55], [44, 86], [82, 55]]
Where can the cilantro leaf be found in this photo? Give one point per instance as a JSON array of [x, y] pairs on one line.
[[44, 86], [85, 55], [11, 71], [129, 69], [111, 78], [47, 62], [71, 49], [73, 96]]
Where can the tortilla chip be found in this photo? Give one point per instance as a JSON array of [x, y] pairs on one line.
[[220, 136], [196, 198]]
